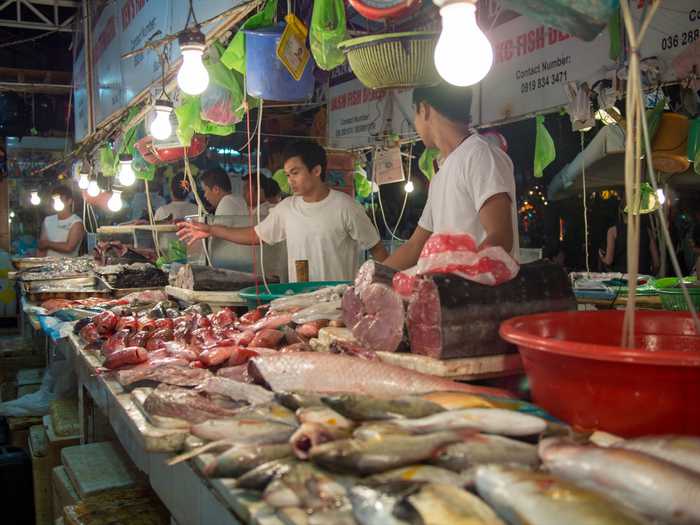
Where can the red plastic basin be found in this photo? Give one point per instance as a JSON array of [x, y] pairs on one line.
[[580, 374]]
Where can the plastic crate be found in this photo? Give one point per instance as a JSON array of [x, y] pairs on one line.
[[672, 298]]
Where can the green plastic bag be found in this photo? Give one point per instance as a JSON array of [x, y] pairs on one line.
[[363, 187], [222, 102], [653, 117], [187, 119], [107, 161], [426, 162], [328, 29], [694, 143], [280, 177], [234, 56], [142, 169], [545, 152]]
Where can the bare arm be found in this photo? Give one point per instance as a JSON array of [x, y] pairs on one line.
[[407, 254], [75, 237], [191, 232], [609, 255], [495, 217], [378, 252]]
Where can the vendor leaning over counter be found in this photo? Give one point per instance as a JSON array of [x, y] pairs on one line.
[[324, 227], [217, 192], [62, 233], [474, 191]]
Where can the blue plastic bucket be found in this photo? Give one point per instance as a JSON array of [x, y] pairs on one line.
[[266, 76]]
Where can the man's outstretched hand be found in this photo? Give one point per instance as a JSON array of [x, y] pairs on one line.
[[191, 232]]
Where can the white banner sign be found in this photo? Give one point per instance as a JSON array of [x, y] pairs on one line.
[[81, 113], [532, 63], [107, 63], [673, 36], [139, 20]]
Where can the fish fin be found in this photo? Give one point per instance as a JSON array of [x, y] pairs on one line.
[[199, 450]]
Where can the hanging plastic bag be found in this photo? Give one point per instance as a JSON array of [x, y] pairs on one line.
[[426, 162], [234, 56], [107, 161], [144, 170], [363, 187], [188, 118], [545, 152], [221, 102], [694, 141], [328, 29], [280, 177]]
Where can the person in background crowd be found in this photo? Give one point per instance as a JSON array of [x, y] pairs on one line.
[[217, 192], [139, 204], [322, 226], [474, 191], [272, 191], [179, 207], [62, 233], [614, 257]]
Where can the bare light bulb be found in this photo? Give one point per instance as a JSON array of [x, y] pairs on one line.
[[463, 54], [661, 196], [408, 188], [12, 215], [192, 77], [35, 199], [126, 172], [58, 203], [115, 201], [161, 129], [83, 181], [93, 189]]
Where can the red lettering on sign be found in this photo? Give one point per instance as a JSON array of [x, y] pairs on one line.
[[105, 38], [130, 9]]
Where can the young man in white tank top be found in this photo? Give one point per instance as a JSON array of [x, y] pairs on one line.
[[62, 233]]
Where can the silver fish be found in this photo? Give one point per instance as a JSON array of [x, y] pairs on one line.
[[269, 412], [376, 455], [375, 505], [653, 486], [367, 408], [304, 486], [240, 459], [418, 474], [236, 390], [480, 449], [260, 477], [449, 505], [318, 425], [681, 450], [489, 420], [297, 400], [243, 430], [523, 497]]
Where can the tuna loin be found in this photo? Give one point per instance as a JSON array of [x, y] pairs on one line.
[[450, 317], [373, 310]]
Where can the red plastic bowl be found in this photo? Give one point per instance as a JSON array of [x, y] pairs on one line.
[[580, 374]]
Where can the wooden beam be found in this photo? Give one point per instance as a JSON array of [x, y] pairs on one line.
[[39, 75]]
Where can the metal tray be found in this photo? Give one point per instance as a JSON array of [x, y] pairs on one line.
[[41, 294], [26, 263], [73, 282]]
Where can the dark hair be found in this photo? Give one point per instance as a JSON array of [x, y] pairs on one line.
[[271, 187], [311, 154], [176, 187], [62, 191], [452, 102], [217, 177]]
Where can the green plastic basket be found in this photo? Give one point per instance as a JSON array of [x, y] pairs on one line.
[[256, 296], [393, 60], [672, 298]]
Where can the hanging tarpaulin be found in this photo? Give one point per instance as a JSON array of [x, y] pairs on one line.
[[545, 152], [328, 29], [583, 19]]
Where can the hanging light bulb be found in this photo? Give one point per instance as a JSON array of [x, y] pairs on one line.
[[408, 188], [126, 173], [115, 201], [83, 180], [660, 196], [35, 199], [160, 126], [12, 215], [58, 203], [192, 78], [93, 189], [463, 54]]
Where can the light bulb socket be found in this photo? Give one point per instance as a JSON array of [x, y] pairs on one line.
[[192, 39], [125, 157], [163, 104]]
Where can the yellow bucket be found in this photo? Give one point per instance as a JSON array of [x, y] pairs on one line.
[[670, 146]]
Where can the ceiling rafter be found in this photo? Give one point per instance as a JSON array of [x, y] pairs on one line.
[[41, 15]]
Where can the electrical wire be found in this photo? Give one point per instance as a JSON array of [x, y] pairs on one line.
[[585, 207], [262, 253], [156, 243], [198, 200], [250, 192]]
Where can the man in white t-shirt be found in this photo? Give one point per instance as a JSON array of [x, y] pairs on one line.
[[217, 192], [474, 191], [322, 226], [178, 208], [62, 233]]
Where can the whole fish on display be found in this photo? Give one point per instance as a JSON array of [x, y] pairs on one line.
[[261, 476], [243, 430], [305, 486], [253, 394], [183, 403], [170, 374], [329, 373], [654, 487], [481, 449], [681, 450], [243, 458], [318, 425], [367, 408], [418, 474], [440, 504], [523, 497]]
